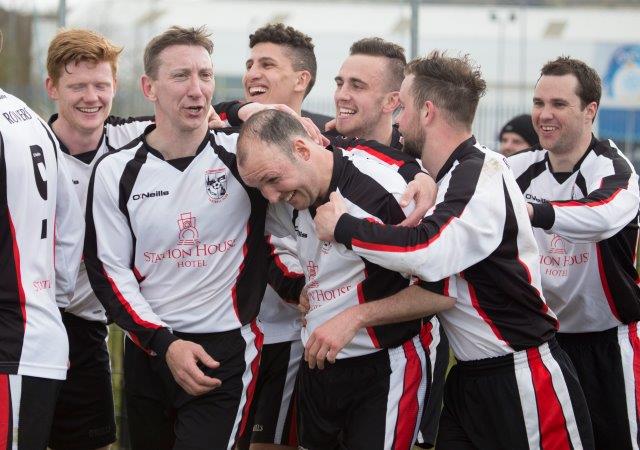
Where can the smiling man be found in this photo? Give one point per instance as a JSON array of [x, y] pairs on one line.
[[175, 252], [584, 199], [363, 319], [82, 66]]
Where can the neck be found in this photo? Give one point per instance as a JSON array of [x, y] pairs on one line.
[[174, 143], [439, 145], [381, 132], [325, 164], [566, 161], [76, 141], [296, 105]]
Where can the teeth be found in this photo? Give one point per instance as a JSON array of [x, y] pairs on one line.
[[289, 196], [89, 110], [346, 111], [547, 128], [257, 90]]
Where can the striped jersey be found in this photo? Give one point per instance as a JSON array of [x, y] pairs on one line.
[[42, 230], [173, 246], [117, 133], [586, 225], [476, 244], [337, 278]]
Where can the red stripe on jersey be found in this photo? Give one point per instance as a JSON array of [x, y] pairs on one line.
[[234, 289], [5, 411], [379, 155], [223, 116], [16, 262], [281, 265], [635, 346], [589, 204], [482, 312], [426, 337], [361, 300], [408, 406], [605, 283], [399, 248], [551, 420], [255, 364], [138, 275], [127, 306]]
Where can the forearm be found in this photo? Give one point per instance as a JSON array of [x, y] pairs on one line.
[[411, 303]]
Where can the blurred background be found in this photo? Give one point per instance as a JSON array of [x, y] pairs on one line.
[[510, 40]]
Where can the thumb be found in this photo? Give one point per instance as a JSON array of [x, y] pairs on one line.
[[330, 125], [205, 358], [407, 195]]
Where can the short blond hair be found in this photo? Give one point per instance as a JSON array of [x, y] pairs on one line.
[[72, 46]]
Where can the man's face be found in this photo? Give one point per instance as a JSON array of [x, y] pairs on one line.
[[409, 121], [361, 89], [183, 87], [269, 75], [558, 116], [279, 177], [511, 143], [84, 93]]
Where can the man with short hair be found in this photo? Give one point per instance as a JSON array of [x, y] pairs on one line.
[[583, 203], [81, 79], [42, 228], [372, 394], [513, 387], [175, 252], [517, 135], [366, 98]]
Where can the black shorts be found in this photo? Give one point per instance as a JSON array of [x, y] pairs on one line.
[[370, 402], [608, 366], [84, 417], [529, 399], [161, 415], [26, 411], [272, 419], [436, 346]]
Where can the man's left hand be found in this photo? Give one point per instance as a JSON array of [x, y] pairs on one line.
[[422, 190], [327, 216], [328, 339]]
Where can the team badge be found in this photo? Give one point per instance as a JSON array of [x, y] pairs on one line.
[[215, 181]]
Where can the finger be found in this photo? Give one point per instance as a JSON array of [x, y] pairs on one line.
[[330, 125], [412, 219], [205, 358], [310, 342], [331, 355], [408, 194], [200, 380], [322, 354], [313, 354], [325, 141]]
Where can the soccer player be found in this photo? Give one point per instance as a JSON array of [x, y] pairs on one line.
[[583, 203], [513, 387], [81, 79], [175, 251], [372, 394], [517, 135], [366, 98], [42, 228]]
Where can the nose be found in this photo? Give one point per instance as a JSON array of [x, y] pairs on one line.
[[270, 194], [546, 112], [195, 88], [90, 94], [252, 72], [342, 93]]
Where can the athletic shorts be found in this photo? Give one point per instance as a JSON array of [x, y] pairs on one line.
[[161, 415], [530, 399], [26, 411], [370, 402], [272, 419], [436, 346], [608, 366], [84, 417]]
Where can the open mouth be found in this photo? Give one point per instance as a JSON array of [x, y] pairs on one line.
[[92, 110], [257, 90], [194, 109], [289, 196], [345, 112]]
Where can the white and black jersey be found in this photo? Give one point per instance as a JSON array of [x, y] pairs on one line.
[[476, 244], [42, 231], [337, 278], [586, 225], [175, 245], [117, 133]]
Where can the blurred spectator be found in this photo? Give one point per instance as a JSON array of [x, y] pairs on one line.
[[517, 134]]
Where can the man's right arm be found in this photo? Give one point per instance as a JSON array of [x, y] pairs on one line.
[[109, 260]]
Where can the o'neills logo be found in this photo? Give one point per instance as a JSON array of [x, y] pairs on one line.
[[149, 195], [557, 261], [190, 251]]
